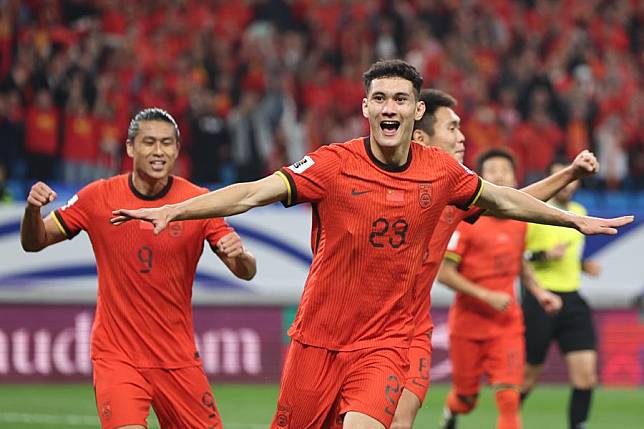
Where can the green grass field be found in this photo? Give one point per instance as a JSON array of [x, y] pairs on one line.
[[252, 406]]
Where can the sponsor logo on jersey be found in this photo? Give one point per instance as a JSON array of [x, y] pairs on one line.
[[302, 165]]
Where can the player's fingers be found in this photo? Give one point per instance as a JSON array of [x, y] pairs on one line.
[[237, 251], [620, 221], [119, 220]]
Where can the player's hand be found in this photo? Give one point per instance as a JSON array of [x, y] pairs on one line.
[[498, 300], [557, 252], [550, 302], [159, 217], [592, 268], [39, 196], [595, 225], [585, 164], [230, 245]]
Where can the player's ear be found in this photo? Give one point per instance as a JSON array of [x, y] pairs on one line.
[[420, 110], [417, 136], [365, 110], [129, 147]]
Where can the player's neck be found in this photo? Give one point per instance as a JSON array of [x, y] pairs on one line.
[[394, 156], [147, 185]]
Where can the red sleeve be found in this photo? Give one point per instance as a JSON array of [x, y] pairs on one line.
[[75, 216], [215, 229], [309, 179], [466, 184], [473, 214], [458, 244]]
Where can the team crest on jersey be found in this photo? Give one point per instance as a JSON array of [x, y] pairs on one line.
[[283, 416], [70, 202], [302, 165], [425, 194], [106, 410], [175, 229]]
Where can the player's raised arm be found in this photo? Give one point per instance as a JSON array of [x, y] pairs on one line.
[[585, 164], [37, 233], [510, 203], [231, 200]]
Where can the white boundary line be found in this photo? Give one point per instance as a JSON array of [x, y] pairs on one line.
[[92, 421]]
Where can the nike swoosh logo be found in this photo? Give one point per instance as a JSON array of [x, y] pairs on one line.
[[355, 193]]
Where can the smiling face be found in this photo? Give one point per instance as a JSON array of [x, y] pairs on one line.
[[446, 134], [391, 108], [154, 150]]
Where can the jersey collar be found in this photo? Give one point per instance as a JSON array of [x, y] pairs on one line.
[[162, 193], [381, 165]]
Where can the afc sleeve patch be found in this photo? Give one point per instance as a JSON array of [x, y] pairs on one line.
[[70, 202], [302, 165]]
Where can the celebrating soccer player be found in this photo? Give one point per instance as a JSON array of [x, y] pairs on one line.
[[143, 348], [440, 127], [481, 264], [376, 201]]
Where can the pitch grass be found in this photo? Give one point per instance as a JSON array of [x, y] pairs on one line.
[[252, 406]]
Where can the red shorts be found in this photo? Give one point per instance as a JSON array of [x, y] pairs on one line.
[[501, 358], [319, 386], [181, 397], [420, 361]]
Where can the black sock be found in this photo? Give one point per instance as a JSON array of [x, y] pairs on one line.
[[579, 407], [524, 395]]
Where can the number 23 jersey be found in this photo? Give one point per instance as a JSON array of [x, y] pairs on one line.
[[371, 225], [143, 310]]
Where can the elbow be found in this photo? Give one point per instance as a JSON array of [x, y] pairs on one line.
[[31, 247]]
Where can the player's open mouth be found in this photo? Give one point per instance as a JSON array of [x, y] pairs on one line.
[[157, 165], [389, 128]]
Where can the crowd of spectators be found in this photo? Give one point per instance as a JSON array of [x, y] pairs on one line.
[[255, 84]]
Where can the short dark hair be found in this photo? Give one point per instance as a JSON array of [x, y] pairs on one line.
[[495, 153], [559, 160], [151, 114], [393, 68], [433, 99]]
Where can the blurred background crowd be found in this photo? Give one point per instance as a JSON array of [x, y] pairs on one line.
[[255, 84]]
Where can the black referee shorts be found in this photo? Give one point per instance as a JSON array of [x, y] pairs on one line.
[[572, 327]]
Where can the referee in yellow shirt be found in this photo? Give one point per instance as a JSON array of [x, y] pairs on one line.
[[556, 258]]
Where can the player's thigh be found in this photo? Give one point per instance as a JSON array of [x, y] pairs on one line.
[[505, 360], [373, 383], [582, 368], [183, 398], [539, 330], [467, 357], [406, 411], [123, 395], [420, 357], [309, 387], [356, 420]]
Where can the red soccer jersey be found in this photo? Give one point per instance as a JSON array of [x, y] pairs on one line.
[[371, 224], [432, 258], [489, 253], [143, 311]]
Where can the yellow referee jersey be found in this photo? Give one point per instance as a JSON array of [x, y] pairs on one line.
[[563, 275]]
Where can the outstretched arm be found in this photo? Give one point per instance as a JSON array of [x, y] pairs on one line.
[[510, 203], [231, 200], [37, 233], [585, 164]]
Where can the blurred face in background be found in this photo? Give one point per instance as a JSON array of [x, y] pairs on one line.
[[499, 170], [446, 134], [154, 150]]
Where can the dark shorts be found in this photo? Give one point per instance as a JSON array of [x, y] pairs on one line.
[[572, 327]]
